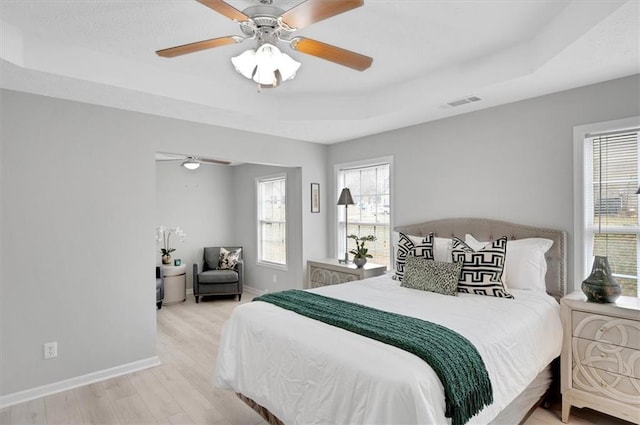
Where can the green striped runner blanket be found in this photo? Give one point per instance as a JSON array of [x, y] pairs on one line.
[[454, 359]]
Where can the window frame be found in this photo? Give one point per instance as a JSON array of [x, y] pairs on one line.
[[583, 230], [259, 260], [338, 209]]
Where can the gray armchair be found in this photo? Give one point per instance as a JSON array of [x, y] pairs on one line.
[[209, 280]]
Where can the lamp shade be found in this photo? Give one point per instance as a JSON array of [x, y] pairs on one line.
[[288, 67], [245, 63], [345, 197]]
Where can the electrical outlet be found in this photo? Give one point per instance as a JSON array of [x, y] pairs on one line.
[[50, 350], [275, 278]]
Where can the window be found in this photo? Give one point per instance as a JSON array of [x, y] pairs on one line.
[[611, 221], [369, 186], [272, 224]]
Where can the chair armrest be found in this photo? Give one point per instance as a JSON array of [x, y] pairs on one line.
[[240, 267]]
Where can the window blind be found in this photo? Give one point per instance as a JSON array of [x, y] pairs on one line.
[[611, 203], [272, 235], [370, 189]]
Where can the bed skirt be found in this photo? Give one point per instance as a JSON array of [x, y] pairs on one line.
[[262, 411], [518, 411]]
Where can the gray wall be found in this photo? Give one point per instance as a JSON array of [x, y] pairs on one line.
[[78, 203], [78, 221], [200, 202], [262, 277], [512, 162]]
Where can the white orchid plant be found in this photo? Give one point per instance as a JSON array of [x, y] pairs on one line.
[[163, 235], [360, 251]]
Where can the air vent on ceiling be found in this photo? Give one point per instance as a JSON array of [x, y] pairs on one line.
[[460, 102]]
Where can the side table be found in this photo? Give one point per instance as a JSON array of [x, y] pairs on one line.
[[330, 272], [175, 284]]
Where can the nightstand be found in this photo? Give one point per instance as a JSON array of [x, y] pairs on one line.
[[175, 284], [600, 361], [330, 272]]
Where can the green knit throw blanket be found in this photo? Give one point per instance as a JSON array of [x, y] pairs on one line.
[[455, 360]]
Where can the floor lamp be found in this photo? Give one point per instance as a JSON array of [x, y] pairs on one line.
[[346, 200]]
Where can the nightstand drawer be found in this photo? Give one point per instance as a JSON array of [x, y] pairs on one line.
[[332, 272], [322, 277], [614, 358], [608, 384], [607, 329]]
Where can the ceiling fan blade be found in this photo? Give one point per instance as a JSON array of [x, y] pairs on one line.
[[331, 53], [225, 9], [213, 161], [311, 11], [199, 45]]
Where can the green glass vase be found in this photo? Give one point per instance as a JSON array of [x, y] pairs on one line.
[[601, 286]]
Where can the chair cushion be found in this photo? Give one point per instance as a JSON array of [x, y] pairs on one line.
[[218, 276]]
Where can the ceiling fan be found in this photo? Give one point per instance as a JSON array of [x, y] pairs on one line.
[[268, 25], [189, 162]]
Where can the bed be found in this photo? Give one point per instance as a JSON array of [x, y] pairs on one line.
[[293, 369]]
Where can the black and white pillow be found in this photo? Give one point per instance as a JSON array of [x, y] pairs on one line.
[[406, 247], [432, 276], [481, 270], [228, 259]]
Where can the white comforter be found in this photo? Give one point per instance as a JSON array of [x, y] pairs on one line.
[[308, 372]]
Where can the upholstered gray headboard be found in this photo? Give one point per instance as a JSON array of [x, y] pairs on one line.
[[485, 229]]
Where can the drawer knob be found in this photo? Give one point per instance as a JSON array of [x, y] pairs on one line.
[[603, 355]]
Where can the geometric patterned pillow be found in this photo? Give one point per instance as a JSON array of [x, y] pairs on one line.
[[228, 259], [481, 270], [406, 247], [432, 276]]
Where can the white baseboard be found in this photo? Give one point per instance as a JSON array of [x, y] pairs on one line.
[[254, 291], [78, 381]]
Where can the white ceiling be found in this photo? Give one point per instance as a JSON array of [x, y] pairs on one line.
[[426, 53]]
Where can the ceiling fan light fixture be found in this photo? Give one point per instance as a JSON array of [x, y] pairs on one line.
[[191, 164], [267, 65]]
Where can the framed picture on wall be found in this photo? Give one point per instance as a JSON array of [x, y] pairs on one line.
[[315, 197]]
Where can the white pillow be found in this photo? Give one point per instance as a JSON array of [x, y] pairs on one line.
[[441, 247], [525, 264]]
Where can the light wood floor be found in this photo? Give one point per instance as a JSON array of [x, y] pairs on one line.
[[180, 391]]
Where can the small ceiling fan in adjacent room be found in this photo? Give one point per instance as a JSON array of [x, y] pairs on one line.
[[189, 162], [269, 25]]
